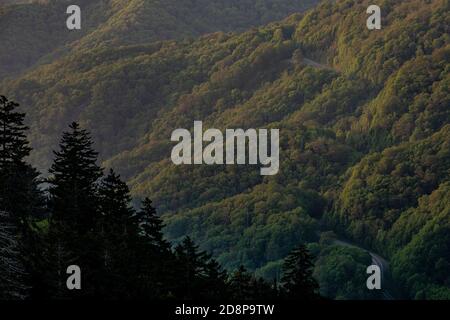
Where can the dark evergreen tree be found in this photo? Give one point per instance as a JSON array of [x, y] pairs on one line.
[[19, 192], [73, 184], [215, 281], [263, 290], [118, 218], [119, 232], [151, 226], [157, 275], [297, 280], [240, 284], [14, 146], [245, 286], [190, 262], [75, 206], [196, 272], [20, 196]]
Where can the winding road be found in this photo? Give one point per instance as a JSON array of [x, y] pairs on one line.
[[314, 64], [382, 263]]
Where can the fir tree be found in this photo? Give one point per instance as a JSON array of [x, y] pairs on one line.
[[74, 200], [19, 186], [157, 267], [118, 217], [151, 226], [119, 231], [14, 146], [215, 281], [191, 264], [73, 185], [297, 280], [20, 197], [240, 284], [263, 290]]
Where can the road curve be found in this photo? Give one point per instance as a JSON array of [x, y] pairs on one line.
[[382, 263], [315, 64]]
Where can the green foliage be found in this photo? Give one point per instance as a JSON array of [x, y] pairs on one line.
[[385, 204], [254, 233], [341, 273], [385, 184], [423, 264], [364, 127]]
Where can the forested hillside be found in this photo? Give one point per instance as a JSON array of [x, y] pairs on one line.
[[83, 220], [365, 135], [36, 33]]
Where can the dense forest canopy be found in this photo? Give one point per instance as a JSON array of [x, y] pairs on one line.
[[365, 134], [36, 33]]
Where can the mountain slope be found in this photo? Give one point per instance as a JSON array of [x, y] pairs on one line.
[[364, 140], [31, 32], [37, 33]]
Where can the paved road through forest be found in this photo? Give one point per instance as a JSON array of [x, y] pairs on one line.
[[382, 263]]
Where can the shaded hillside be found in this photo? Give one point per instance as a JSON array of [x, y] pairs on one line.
[[36, 32], [364, 141], [33, 32]]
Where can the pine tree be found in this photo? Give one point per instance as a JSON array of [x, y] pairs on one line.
[[297, 280], [240, 284], [14, 146], [245, 286], [75, 220], [191, 265], [118, 217], [214, 286], [19, 186], [119, 231], [157, 268], [20, 197], [264, 290], [73, 185], [151, 226]]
